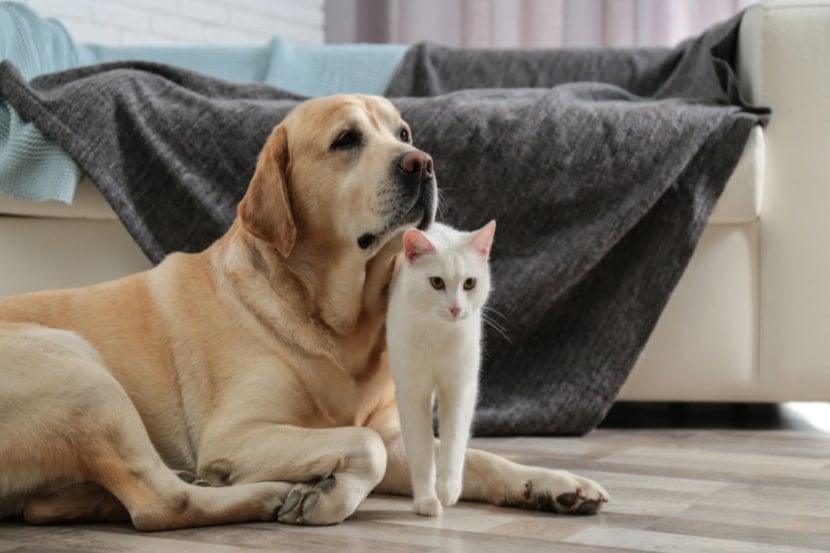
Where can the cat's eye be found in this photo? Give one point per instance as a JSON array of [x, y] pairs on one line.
[[404, 135], [437, 283], [469, 284], [346, 139]]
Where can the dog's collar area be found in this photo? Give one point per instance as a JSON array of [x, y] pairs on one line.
[[365, 241]]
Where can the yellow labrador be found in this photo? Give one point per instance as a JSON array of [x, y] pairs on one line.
[[256, 368]]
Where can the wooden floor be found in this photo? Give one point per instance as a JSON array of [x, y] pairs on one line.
[[739, 481]]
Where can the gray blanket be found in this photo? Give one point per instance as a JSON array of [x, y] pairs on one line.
[[600, 166]]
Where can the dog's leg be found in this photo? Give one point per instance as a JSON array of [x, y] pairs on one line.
[[85, 502], [155, 509], [333, 470], [64, 419], [492, 479]]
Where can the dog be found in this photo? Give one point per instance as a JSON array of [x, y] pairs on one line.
[[248, 382]]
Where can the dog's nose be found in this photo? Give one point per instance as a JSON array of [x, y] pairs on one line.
[[416, 163]]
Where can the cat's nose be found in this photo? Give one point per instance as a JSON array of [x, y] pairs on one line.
[[455, 310]]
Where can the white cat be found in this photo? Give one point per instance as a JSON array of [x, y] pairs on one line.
[[433, 331]]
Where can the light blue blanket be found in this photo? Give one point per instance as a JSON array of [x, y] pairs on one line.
[[31, 167], [34, 168]]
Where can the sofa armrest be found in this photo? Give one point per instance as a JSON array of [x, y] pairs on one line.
[[783, 64]]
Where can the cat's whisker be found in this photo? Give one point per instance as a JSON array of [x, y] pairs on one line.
[[496, 326], [494, 323], [495, 311]]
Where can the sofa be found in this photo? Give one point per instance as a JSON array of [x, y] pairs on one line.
[[745, 322], [748, 321]]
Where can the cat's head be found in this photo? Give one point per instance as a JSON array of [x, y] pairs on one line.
[[448, 275]]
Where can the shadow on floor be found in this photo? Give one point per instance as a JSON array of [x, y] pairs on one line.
[[751, 416]]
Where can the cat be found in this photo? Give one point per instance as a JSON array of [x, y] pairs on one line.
[[433, 332]]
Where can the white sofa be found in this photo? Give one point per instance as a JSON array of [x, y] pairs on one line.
[[750, 319]]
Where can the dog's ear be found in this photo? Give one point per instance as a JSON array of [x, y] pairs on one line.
[[265, 211]]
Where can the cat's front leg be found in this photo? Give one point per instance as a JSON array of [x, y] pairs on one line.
[[493, 479], [456, 403], [416, 426]]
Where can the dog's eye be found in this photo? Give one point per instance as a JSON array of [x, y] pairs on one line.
[[346, 139], [437, 282], [404, 134], [469, 284]]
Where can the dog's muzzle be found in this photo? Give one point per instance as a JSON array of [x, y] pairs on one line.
[[415, 176], [416, 165]]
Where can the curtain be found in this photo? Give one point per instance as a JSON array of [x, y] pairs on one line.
[[525, 23]]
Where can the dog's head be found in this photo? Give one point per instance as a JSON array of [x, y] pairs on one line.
[[340, 172]]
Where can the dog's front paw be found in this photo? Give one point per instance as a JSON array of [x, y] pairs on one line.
[[306, 504], [561, 492], [448, 489], [190, 478], [427, 506]]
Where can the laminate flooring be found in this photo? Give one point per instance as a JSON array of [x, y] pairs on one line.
[[681, 479]]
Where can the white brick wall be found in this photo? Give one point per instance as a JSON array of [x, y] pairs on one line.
[[186, 22]]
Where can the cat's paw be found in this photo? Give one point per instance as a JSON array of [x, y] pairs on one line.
[[428, 506], [561, 492], [448, 490]]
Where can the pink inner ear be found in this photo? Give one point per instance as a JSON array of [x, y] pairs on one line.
[[416, 244], [482, 240]]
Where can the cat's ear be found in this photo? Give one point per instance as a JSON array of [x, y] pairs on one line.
[[416, 245], [482, 239]]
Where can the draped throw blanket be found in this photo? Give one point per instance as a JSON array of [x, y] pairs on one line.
[[600, 166]]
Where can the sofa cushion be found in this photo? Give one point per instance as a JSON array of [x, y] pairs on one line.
[[741, 198], [87, 203]]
